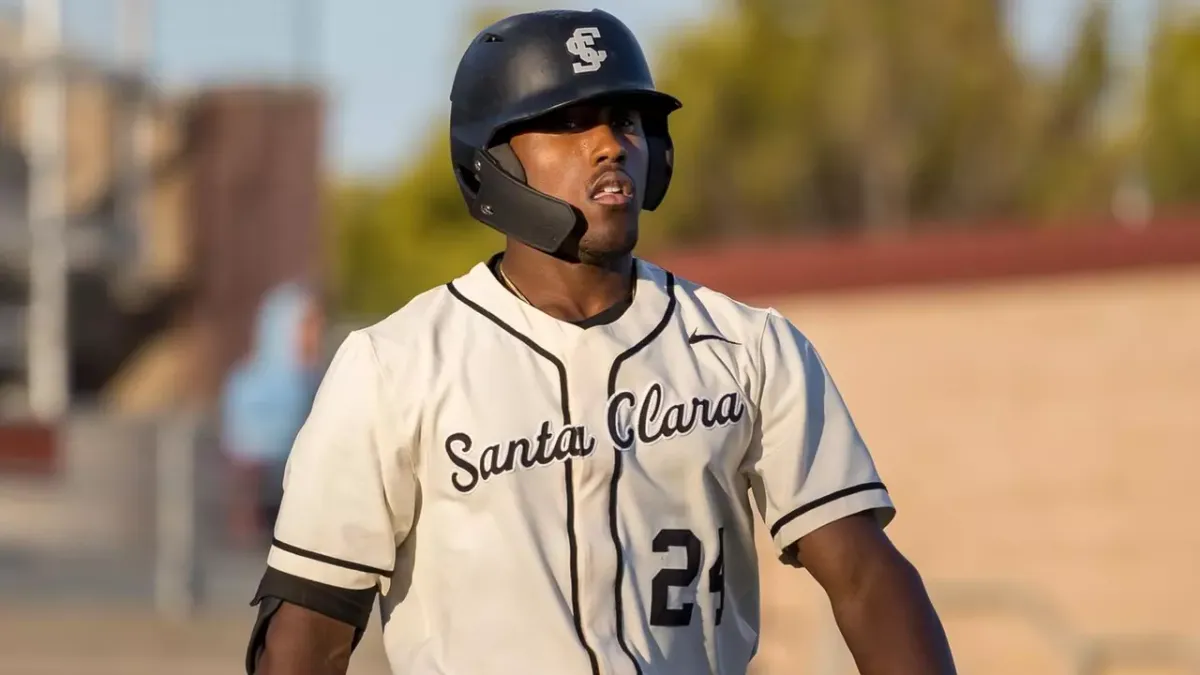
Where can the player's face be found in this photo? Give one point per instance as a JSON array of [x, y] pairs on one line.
[[594, 158]]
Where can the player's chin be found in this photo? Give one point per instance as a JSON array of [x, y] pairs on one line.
[[608, 239]]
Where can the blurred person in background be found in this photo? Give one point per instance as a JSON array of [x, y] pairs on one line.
[[265, 401]]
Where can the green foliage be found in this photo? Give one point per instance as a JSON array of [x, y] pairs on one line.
[[1172, 124], [850, 115]]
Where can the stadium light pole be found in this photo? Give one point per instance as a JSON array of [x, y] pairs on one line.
[[135, 32], [307, 30], [135, 47], [48, 347], [177, 546]]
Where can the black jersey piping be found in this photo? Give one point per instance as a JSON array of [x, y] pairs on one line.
[[617, 466], [822, 501], [328, 559], [572, 541]]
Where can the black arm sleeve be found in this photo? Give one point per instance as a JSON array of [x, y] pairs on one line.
[[349, 606]]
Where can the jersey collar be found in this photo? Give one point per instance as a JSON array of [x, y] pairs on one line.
[[650, 303]]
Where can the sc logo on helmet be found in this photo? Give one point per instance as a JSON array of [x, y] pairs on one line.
[[580, 44]]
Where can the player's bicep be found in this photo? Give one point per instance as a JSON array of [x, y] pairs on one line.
[[349, 492], [808, 464], [302, 623]]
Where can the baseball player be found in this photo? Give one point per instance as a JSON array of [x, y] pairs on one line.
[[552, 463]]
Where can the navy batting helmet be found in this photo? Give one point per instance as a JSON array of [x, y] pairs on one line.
[[527, 66]]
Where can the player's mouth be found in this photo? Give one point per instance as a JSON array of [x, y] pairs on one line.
[[613, 188]]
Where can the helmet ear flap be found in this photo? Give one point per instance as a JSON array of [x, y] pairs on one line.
[[660, 169], [510, 206], [507, 159]]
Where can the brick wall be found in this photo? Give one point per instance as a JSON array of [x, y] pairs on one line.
[[1043, 433], [255, 203]]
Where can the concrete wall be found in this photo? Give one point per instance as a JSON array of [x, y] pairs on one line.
[[1043, 433]]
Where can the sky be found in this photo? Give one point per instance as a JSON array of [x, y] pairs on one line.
[[387, 64]]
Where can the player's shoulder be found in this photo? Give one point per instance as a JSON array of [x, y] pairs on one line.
[[700, 304], [409, 327]]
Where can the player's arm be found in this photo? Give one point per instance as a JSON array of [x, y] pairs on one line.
[[299, 640], [878, 599], [348, 502], [825, 506]]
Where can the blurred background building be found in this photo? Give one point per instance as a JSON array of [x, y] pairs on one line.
[[983, 213]]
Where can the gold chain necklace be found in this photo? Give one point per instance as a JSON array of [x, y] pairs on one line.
[[511, 286], [517, 292]]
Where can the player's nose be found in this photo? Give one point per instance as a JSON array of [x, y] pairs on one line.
[[607, 146]]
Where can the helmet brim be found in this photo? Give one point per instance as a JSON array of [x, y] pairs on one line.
[[648, 101]]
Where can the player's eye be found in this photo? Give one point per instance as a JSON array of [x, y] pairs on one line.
[[563, 124], [626, 122]]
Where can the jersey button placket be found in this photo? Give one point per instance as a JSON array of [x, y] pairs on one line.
[[587, 376]]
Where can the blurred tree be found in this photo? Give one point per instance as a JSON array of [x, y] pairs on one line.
[[1172, 123], [396, 240], [1073, 167], [853, 114]]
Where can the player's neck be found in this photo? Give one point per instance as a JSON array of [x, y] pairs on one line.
[[565, 290]]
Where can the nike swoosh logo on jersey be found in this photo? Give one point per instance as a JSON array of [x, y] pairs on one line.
[[696, 337]]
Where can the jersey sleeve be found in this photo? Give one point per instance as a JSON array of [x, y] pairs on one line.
[[349, 489], [808, 465]]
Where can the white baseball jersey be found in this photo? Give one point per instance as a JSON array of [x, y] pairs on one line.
[[532, 496]]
